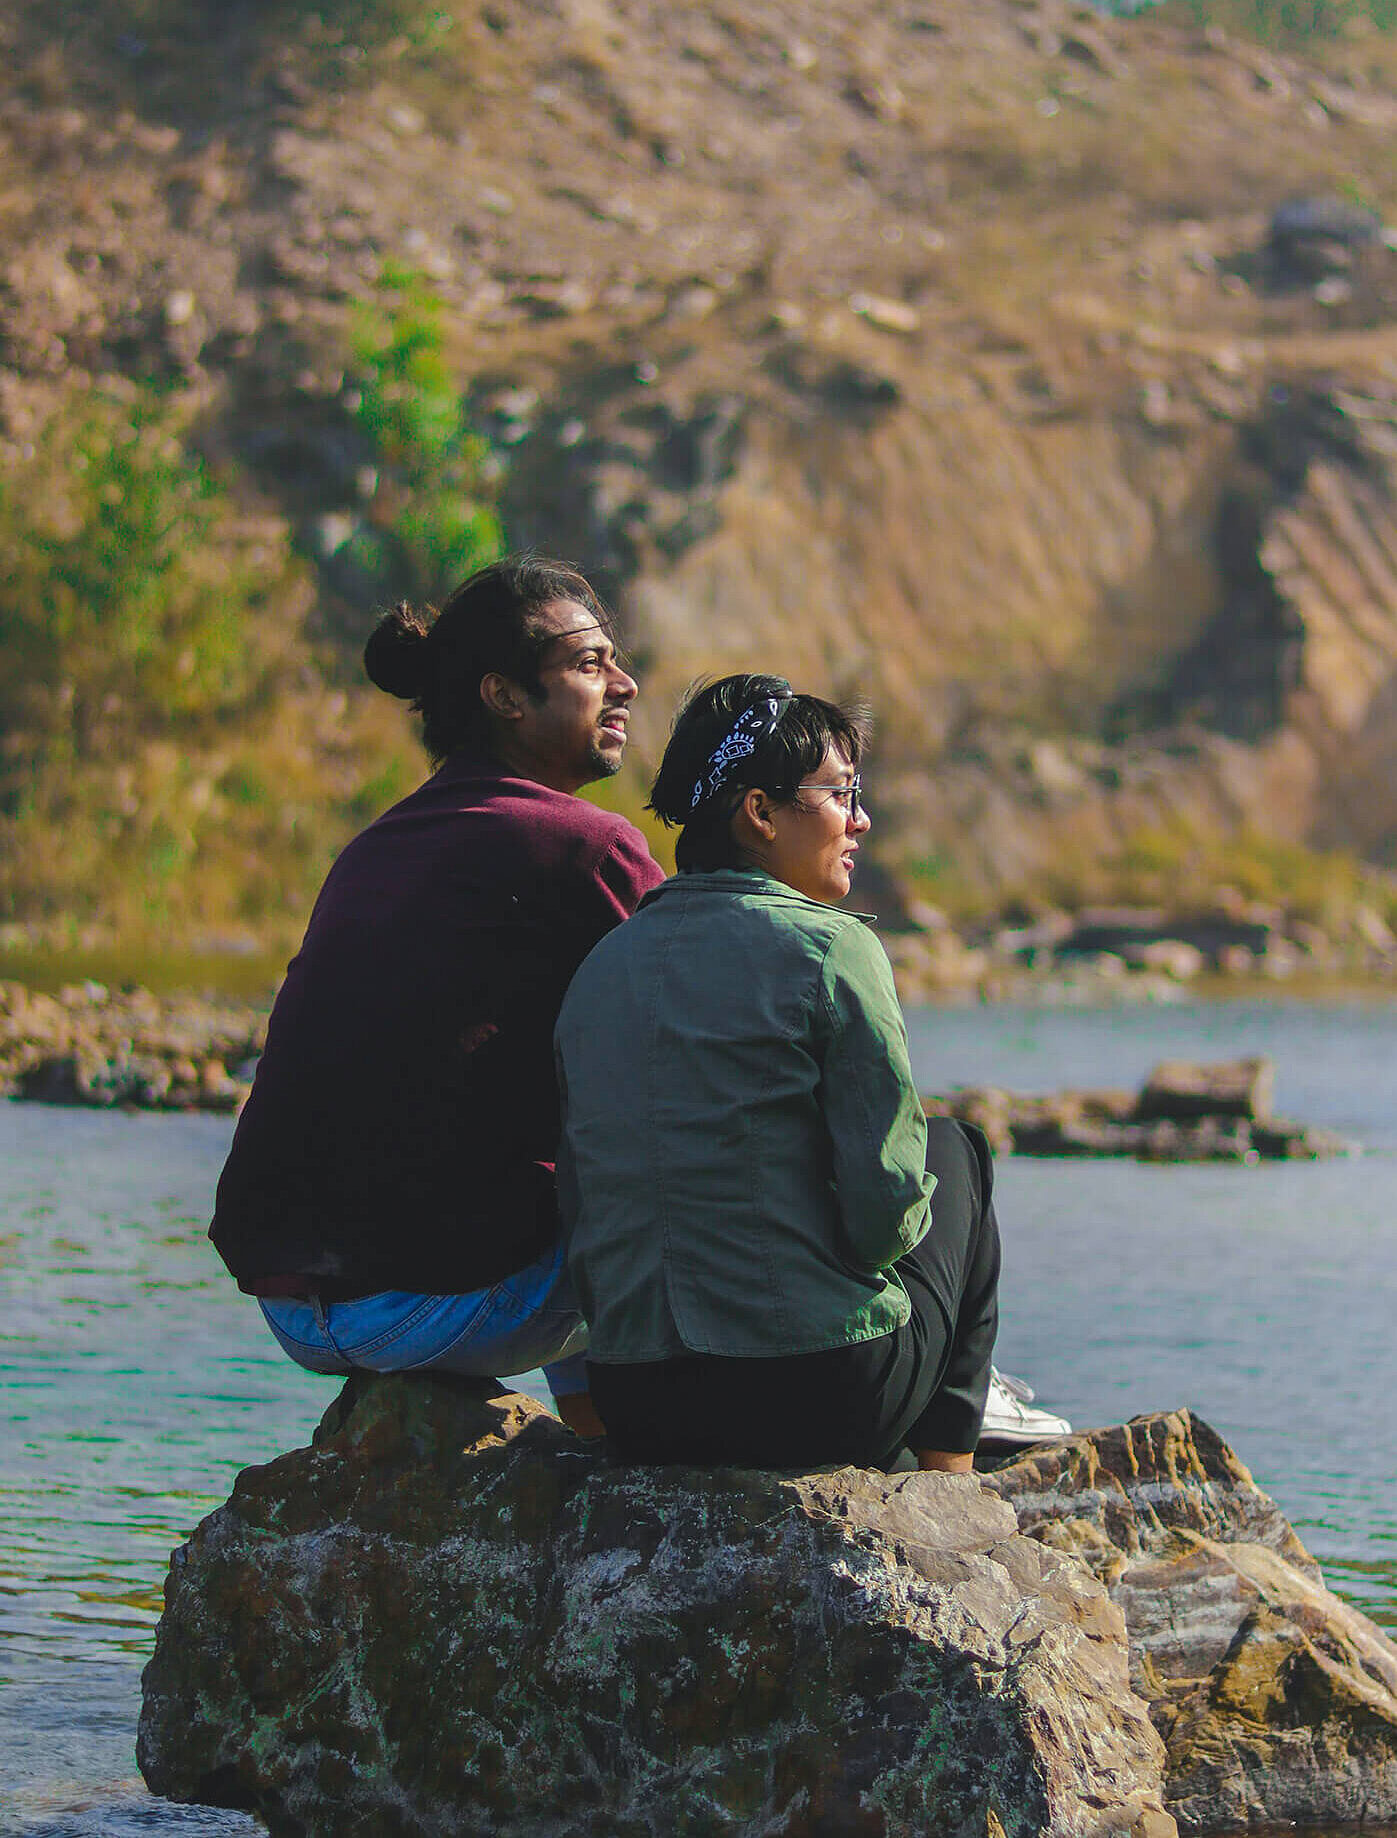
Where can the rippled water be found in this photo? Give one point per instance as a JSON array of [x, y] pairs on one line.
[[134, 1386], [1264, 1298], [135, 1381]]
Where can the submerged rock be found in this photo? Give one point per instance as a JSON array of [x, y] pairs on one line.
[[451, 1617]]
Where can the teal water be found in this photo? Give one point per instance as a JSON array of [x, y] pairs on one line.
[[135, 1381]]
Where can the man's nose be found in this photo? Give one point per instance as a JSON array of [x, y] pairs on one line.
[[622, 686], [860, 820]]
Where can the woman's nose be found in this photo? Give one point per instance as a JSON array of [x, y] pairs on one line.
[[860, 819]]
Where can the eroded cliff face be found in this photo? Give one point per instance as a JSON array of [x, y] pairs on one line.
[[945, 356]]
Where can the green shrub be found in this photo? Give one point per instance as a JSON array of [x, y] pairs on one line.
[[1174, 865], [940, 880], [172, 757], [108, 603], [434, 517], [175, 754], [367, 22], [392, 780]]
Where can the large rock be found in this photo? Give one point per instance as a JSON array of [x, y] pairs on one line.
[[1183, 1090], [1277, 1701], [448, 1616]]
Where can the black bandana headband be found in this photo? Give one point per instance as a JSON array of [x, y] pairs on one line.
[[752, 727]]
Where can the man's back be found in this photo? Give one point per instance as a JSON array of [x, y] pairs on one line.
[[404, 1117]]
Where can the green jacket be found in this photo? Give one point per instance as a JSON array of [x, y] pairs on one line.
[[744, 1149]]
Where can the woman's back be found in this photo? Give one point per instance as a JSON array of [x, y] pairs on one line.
[[743, 1151]]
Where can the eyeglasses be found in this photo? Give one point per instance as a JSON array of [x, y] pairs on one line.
[[848, 796]]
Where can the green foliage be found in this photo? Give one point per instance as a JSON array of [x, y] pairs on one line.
[[1171, 865], [941, 881], [374, 20], [367, 22], [1175, 866], [1283, 22], [174, 757], [106, 597], [394, 779], [169, 757], [434, 512]]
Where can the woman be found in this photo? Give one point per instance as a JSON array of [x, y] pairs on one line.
[[781, 1262]]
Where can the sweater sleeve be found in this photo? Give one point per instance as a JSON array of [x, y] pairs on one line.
[[624, 875], [875, 1119]]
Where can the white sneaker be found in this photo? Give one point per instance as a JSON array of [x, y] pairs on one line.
[[1009, 1420]]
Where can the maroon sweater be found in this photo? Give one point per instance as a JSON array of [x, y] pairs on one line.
[[404, 1119]]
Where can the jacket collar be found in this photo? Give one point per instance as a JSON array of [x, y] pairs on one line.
[[751, 881]]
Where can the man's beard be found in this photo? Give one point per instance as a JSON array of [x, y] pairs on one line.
[[605, 763]]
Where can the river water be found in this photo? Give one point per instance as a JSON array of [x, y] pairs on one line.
[[135, 1381]]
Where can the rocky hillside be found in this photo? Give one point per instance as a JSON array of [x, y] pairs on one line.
[[1030, 374]]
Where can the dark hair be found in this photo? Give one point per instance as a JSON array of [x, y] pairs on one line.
[[804, 733], [436, 660]]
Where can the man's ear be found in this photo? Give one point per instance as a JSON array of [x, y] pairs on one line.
[[502, 696]]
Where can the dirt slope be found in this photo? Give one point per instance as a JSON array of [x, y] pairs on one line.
[[934, 353]]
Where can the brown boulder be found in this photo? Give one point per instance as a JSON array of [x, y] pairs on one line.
[[1181, 1090], [1277, 1701], [450, 1617]]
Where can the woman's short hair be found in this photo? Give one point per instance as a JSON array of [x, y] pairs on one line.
[[702, 777], [490, 623]]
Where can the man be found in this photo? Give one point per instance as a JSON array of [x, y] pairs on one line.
[[389, 1193]]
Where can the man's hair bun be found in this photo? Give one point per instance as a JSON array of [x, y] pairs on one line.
[[494, 623], [395, 655]]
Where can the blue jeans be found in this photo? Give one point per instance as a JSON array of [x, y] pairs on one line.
[[530, 1319]]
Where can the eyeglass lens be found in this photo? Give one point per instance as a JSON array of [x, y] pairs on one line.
[[849, 796]]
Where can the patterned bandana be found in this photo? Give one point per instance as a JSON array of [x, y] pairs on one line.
[[752, 727]]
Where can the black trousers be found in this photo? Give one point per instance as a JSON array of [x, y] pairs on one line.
[[923, 1386]]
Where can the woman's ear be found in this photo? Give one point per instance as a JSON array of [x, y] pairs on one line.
[[755, 811]]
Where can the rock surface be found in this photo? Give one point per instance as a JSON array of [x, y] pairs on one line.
[[1183, 1090], [449, 1616], [1277, 1701], [1185, 1111], [93, 1046]]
